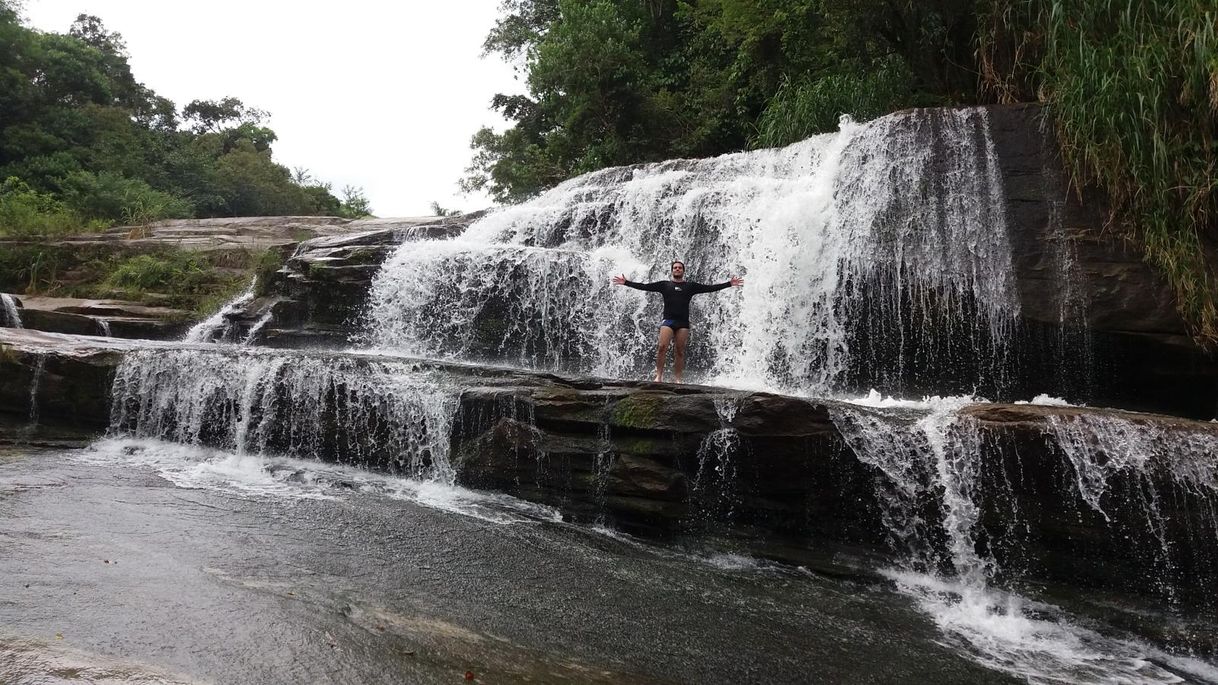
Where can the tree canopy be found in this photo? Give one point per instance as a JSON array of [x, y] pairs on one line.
[[83, 143], [618, 82]]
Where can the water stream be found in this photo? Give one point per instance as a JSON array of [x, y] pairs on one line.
[[10, 314], [380, 414], [937, 483]]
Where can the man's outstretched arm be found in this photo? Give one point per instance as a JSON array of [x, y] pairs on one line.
[[657, 286], [735, 281]]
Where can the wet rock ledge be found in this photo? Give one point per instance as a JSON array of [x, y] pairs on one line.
[[779, 475]]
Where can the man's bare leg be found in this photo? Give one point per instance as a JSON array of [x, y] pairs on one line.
[[662, 352], [678, 353]]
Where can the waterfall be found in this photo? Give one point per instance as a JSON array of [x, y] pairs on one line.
[[936, 477], [926, 463], [872, 255], [1155, 488], [714, 490], [369, 412], [257, 327], [218, 326], [10, 315], [104, 327], [35, 384]]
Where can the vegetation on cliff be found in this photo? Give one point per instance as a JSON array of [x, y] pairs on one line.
[[1132, 87], [1134, 94], [83, 145]]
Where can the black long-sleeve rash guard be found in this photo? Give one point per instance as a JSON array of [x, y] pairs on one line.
[[677, 295]]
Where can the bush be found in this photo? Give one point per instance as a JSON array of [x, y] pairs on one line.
[[800, 110], [266, 264], [1133, 91], [170, 272], [29, 269], [112, 197], [25, 212]]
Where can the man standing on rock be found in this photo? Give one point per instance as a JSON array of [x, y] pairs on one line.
[[677, 293]]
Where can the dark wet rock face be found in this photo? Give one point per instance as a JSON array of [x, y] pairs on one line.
[[1102, 499], [1096, 317], [656, 460], [56, 386]]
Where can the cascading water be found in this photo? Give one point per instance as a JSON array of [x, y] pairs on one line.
[[935, 485], [1157, 488], [877, 255], [35, 385], [218, 326], [255, 329], [714, 485], [373, 413], [10, 314]]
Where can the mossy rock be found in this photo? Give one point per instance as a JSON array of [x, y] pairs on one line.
[[640, 410]]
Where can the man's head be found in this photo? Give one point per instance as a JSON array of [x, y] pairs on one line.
[[678, 269]]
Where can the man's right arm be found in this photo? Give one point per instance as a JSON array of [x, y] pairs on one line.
[[657, 286]]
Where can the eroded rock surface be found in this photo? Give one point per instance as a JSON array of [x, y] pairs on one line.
[[104, 317]]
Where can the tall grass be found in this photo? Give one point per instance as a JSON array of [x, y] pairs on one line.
[[802, 109], [1133, 89]]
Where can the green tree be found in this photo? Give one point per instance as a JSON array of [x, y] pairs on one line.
[[355, 205]]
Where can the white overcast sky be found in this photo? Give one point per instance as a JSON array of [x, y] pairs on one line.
[[383, 95]]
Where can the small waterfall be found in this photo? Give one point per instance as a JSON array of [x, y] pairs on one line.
[[257, 327], [218, 326], [936, 486], [35, 384], [363, 412], [603, 469], [10, 314], [714, 494], [1156, 487], [104, 326], [877, 255], [927, 463]]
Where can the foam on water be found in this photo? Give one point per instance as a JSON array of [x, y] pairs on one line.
[[844, 239], [196, 467], [1047, 401], [1035, 641]]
